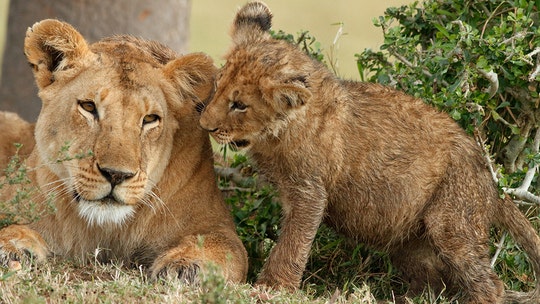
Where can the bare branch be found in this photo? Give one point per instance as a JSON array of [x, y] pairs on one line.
[[534, 52], [493, 79], [523, 195], [534, 73], [521, 192], [521, 94], [487, 156], [517, 36], [411, 65], [499, 247], [515, 146], [532, 171]]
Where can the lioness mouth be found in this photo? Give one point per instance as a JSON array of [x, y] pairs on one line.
[[108, 200], [103, 211]]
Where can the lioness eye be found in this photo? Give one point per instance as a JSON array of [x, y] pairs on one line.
[[150, 118], [238, 106], [88, 106]]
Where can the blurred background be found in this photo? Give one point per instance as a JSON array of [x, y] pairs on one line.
[[210, 23], [184, 25]]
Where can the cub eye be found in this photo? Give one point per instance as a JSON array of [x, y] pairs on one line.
[[150, 118], [88, 106], [238, 106]]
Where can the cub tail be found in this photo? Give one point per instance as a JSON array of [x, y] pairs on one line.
[[526, 236]]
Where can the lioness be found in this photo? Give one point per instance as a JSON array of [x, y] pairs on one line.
[[121, 156], [377, 165], [15, 130]]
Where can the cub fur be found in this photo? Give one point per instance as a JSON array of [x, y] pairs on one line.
[[376, 164], [15, 130], [120, 155]]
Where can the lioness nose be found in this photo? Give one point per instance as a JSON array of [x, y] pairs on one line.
[[115, 177]]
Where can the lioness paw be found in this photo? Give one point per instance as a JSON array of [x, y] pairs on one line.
[[186, 271], [20, 243]]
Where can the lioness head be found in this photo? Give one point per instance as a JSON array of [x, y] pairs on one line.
[[109, 113], [263, 83]]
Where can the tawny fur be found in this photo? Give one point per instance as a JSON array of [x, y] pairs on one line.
[[148, 184], [377, 165], [15, 130]]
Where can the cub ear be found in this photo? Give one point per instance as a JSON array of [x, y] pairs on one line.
[[193, 76], [252, 22], [287, 94], [52, 46]]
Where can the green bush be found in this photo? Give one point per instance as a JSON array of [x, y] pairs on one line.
[[476, 60]]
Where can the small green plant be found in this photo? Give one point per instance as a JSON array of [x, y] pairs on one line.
[[19, 208], [254, 208], [64, 154], [304, 40]]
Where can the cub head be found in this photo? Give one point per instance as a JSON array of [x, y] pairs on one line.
[[263, 83], [110, 111]]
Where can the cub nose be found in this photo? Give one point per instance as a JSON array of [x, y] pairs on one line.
[[115, 177]]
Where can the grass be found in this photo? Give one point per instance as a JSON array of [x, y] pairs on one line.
[[66, 282]]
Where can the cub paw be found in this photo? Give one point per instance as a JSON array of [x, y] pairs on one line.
[[186, 271], [21, 243]]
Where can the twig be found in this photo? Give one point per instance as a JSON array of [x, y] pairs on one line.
[[519, 35], [522, 191], [489, 18], [530, 104], [523, 195], [412, 66], [493, 79], [487, 156], [532, 171], [334, 48], [536, 70], [499, 248]]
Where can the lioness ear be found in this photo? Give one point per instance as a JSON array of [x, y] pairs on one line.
[[290, 93], [51, 46], [193, 76], [252, 22]]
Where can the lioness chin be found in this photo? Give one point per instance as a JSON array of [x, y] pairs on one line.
[[377, 165], [120, 156]]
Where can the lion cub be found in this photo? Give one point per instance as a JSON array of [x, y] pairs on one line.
[[377, 165], [121, 157]]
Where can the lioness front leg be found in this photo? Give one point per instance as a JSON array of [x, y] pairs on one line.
[[18, 241], [303, 208], [197, 252]]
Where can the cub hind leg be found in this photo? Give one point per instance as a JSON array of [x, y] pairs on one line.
[[459, 235], [421, 267]]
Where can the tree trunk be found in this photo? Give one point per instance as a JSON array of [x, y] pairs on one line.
[[166, 21]]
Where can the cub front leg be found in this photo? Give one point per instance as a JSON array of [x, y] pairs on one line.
[[303, 208], [198, 252], [19, 241]]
